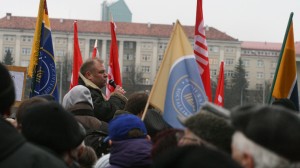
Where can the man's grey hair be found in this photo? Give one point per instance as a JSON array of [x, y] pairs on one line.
[[263, 158]]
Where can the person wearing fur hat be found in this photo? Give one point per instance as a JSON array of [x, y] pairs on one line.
[[93, 75], [51, 127], [266, 136], [16, 152], [79, 102], [208, 129]]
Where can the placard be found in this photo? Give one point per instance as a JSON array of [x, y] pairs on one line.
[[18, 75]]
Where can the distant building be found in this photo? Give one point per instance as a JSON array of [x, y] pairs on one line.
[[118, 9], [141, 46], [260, 62]]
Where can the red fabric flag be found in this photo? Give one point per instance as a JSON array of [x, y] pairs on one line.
[[113, 68], [219, 98], [200, 50], [77, 59], [95, 50]]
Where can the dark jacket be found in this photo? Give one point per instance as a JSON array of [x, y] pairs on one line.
[[131, 153], [16, 152], [104, 109], [96, 130], [85, 115]]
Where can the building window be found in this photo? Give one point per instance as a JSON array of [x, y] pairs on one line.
[[60, 53], [60, 40], [260, 63], [272, 75], [245, 62], [128, 56], [259, 75], [146, 57], [128, 44], [145, 81], [11, 49], [213, 61], [213, 72], [162, 46], [9, 38], [246, 74], [127, 68], [26, 51], [273, 64], [146, 69], [229, 61], [147, 45], [160, 57], [213, 48], [229, 49], [27, 39], [228, 73], [259, 86]]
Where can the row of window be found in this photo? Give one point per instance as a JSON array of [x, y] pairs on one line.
[[262, 53], [216, 49], [230, 73]]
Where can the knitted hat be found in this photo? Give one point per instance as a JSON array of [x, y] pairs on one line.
[[119, 127], [77, 94], [273, 127], [7, 90], [211, 128], [49, 125]]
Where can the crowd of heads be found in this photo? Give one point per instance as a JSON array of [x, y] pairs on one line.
[[250, 136]]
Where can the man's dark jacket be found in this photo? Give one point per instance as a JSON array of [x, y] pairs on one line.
[[104, 109]]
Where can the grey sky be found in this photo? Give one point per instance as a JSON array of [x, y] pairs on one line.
[[247, 20]]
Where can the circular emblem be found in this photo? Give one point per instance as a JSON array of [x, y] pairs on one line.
[[187, 96], [46, 76]]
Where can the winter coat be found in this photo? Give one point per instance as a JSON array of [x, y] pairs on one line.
[[131, 153], [104, 109], [17, 153]]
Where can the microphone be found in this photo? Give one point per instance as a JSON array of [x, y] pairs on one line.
[[112, 83]]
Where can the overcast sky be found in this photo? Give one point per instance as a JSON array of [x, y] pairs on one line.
[[246, 20]]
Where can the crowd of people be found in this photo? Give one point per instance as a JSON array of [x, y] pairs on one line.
[[89, 130]]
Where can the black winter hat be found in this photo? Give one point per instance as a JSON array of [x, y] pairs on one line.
[[49, 125], [273, 127], [7, 90]]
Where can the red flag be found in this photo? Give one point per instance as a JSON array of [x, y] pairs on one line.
[[77, 59], [200, 50], [113, 68], [219, 98], [95, 50]]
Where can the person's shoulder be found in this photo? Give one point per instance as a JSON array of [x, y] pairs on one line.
[[41, 157]]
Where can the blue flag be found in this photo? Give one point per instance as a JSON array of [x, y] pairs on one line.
[[42, 65], [178, 89]]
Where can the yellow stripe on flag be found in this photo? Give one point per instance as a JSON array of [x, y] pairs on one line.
[[36, 40]]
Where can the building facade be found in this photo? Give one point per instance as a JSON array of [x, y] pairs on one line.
[[141, 46]]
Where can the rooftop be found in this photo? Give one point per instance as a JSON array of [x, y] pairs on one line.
[[102, 27]]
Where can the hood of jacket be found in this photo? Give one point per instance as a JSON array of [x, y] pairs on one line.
[[131, 153]]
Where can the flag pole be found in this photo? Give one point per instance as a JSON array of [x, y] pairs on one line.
[[280, 55], [151, 92]]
